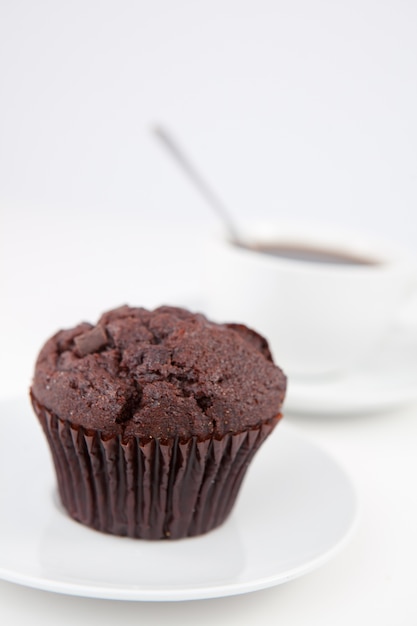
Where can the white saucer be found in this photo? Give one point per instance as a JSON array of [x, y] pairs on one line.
[[386, 381], [296, 509]]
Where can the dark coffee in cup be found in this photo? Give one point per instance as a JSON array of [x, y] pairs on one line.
[[310, 254]]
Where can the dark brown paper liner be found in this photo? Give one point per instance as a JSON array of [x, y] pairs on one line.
[[148, 489]]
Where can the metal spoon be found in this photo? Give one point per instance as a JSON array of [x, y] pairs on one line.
[[208, 193]]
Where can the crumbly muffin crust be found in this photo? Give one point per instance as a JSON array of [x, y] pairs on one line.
[[159, 374]]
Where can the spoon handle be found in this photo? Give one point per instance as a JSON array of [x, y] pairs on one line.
[[208, 193]]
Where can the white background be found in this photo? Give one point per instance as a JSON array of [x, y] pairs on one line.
[[292, 109]]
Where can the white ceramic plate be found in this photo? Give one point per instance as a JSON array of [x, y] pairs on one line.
[[296, 509], [384, 382]]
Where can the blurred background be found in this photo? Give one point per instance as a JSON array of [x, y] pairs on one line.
[[292, 109]]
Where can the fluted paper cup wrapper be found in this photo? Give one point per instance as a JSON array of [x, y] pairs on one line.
[[148, 489]]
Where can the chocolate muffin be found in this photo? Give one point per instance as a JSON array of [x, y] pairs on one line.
[[152, 418]]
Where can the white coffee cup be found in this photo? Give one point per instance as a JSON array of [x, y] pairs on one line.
[[319, 318]]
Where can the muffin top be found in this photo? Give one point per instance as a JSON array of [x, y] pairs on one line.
[[159, 374]]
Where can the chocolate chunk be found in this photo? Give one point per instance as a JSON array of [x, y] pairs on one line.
[[91, 341]]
